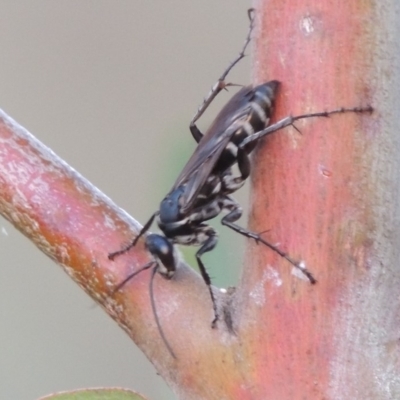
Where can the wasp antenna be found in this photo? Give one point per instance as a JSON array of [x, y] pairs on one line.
[[132, 275], [153, 307]]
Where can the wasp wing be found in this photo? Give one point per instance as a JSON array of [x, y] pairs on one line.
[[201, 163], [195, 182]]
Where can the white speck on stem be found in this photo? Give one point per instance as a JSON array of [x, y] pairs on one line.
[[272, 275], [307, 25], [109, 222], [298, 272], [258, 293]]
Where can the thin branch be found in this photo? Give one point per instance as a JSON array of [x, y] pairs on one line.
[[77, 226]]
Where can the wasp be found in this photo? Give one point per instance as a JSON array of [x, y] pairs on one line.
[[203, 188], [201, 191]]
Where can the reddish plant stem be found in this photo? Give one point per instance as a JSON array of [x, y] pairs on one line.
[[318, 194], [77, 226], [329, 196]]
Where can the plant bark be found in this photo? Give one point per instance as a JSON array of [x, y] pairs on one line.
[[329, 196]]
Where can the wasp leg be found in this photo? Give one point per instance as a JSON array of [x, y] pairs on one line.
[[207, 245], [201, 234], [195, 131], [220, 84], [232, 183], [289, 121], [235, 214], [111, 256]]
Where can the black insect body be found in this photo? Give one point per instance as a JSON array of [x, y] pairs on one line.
[[207, 176], [202, 190]]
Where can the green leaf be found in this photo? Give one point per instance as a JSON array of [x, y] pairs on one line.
[[96, 394]]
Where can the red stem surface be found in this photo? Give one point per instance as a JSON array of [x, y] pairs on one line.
[[328, 196], [323, 195]]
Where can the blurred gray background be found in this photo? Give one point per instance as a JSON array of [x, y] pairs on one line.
[[111, 87]]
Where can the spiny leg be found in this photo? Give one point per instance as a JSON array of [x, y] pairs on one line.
[[111, 256], [289, 121], [208, 245], [235, 213], [220, 84]]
